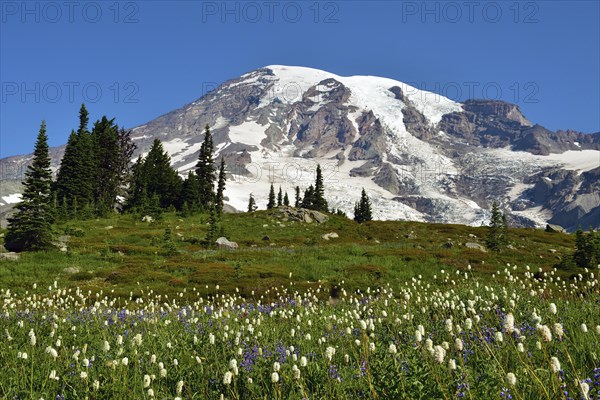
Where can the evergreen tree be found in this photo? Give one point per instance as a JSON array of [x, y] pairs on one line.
[[30, 227], [126, 149], [271, 203], [220, 188], [497, 231], [65, 186], [251, 204], [286, 199], [106, 174], [308, 201], [279, 198], [297, 199], [584, 253], [319, 203], [205, 170], [362, 209], [190, 192], [160, 178], [211, 234]]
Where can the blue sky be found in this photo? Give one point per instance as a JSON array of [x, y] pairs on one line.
[[136, 60]]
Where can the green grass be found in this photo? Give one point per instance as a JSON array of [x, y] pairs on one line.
[[132, 253]]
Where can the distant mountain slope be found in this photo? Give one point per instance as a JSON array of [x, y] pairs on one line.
[[419, 155]]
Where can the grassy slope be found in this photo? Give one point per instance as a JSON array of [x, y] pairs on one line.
[[131, 255]]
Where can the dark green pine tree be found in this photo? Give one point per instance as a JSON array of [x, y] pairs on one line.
[[30, 227], [297, 199], [106, 175], [220, 188], [308, 201], [362, 209], [190, 192], [584, 253], [137, 195], [496, 237], [66, 185], [319, 203], [211, 234], [271, 203], [251, 203], [286, 199], [161, 179], [205, 170], [279, 197]]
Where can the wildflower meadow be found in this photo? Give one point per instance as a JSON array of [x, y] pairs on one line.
[[519, 337]]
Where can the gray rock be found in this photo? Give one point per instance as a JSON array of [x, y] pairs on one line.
[[10, 256], [475, 246], [448, 245], [223, 243], [330, 235], [554, 228]]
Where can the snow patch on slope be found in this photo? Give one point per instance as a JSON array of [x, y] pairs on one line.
[[12, 198]]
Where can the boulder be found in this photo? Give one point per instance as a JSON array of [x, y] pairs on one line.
[[448, 245], [266, 238], [554, 228], [475, 246], [330, 235], [223, 243], [10, 256]]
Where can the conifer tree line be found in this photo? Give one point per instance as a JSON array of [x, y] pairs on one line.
[[96, 177]]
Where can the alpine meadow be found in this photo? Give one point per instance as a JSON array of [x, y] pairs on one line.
[[300, 200]]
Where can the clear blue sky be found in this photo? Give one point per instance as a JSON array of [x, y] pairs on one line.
[[150, 57]]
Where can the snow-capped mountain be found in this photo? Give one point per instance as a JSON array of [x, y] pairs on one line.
[[419, 155]]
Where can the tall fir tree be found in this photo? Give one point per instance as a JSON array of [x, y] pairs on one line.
[[297, 199], [319, 203], [211, 234], [65, 186], [30, 227], [190, 192], [271, 202], [219, 198], [251, 203], [106, 151], [308, 200], [286, 199], [279, 197], [205, 170], [362, 209], [497, 230]]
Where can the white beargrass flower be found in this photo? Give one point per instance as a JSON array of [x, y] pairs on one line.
[[211, 338], [276, 366], [598, 329], [150, 392], [163, 373], [499, 337], [296, 372], [545, 332], [552, 308], [146, 381], [83, 375], [511, 379], [554, 364], [520, 348], [558, 330], [468, 324], [53, 375], [393, 349], [32, 338], [96, 385], [329, 353], [106, 346], [509, 323], [585, 389], [429, 344], [418, 336], [303, 361], [274, 377], [448, 324], [52, 352], [179, 387], [439, 353], [125, 361], [452, 364], [584, 328], [458, 343], [227, 378]]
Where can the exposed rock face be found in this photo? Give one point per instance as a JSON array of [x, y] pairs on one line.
[[301, 215], [419, 155]]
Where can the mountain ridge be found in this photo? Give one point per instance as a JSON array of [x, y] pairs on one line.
[[421, 156]]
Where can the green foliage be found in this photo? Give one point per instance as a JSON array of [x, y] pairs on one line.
[[279, 198], [319, 201], [190, 192], [497, 237], [271, 202], [205, 170], [362, 209], [220, 188], [211, 233], [297, 199], [251, 204], [308, 200], [587, 249], [286, 199], [30, 227]]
